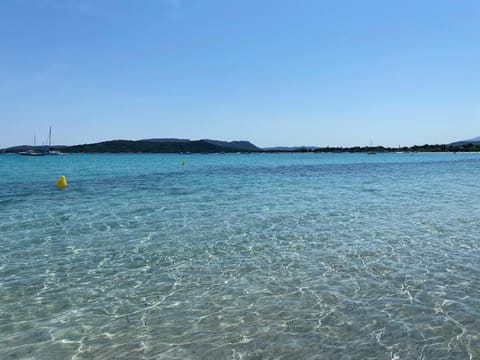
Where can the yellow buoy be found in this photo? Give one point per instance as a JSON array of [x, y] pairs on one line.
[[62, 182], [183, 162]]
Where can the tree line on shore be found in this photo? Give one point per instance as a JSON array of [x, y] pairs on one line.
[[206, 146], [381, 149]]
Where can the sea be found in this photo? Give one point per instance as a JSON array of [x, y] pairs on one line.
[[240, 256]]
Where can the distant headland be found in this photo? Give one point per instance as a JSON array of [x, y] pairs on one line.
[[206, 146]]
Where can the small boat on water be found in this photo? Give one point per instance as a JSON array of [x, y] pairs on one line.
[[50, 151], [32, 152], [371, 150], [43, 150]]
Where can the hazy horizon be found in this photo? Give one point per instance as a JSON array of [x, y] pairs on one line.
[[259, 146]]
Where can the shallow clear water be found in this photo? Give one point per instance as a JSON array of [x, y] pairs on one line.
[[309, 256]]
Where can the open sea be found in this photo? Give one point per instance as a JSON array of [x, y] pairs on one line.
[[292, 256]]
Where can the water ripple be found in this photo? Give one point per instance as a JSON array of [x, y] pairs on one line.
[[281, 257]]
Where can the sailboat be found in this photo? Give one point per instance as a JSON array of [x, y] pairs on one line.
[[371, 150], [50, 151], [33, 152]]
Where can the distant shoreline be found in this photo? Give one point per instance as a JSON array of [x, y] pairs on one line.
[[155, 146], [261, 153]]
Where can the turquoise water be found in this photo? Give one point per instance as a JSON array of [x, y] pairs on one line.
[[308, 256]]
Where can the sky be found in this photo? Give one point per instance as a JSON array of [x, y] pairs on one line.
[[274, 72]]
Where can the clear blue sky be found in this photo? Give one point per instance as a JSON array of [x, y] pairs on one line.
[[327, 73]]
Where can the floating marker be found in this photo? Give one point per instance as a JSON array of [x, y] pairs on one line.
[[184, 162], [62, 182]]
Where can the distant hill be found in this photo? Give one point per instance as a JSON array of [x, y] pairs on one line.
[[149, 146], [154, 145], [174, 145], [166, 140], [474, 141], [241, 145]]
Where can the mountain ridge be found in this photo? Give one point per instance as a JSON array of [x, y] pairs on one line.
[[473, 141], [160, 146], [178, 145]]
